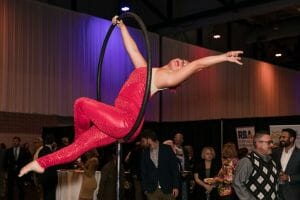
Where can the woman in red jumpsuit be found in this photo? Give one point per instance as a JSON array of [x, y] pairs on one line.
[[98, 124]]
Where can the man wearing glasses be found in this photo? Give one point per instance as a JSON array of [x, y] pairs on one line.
[[287, 158], [256, 175]]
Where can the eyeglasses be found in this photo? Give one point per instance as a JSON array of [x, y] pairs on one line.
[[267, 142]]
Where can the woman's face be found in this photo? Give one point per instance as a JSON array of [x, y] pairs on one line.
[[177, 63], [208, 155]]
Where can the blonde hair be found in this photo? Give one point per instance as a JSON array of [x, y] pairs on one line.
[[208, 149]]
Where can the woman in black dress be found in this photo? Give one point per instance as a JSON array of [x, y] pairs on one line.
[[206, 168]]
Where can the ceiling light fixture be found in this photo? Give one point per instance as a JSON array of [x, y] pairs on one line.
[[125, 8], [125, 5], [216, 36], [278, 54]]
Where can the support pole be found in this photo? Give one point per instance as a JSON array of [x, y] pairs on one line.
[[119, 154], [222, 135]]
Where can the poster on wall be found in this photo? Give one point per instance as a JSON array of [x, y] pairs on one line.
[[245, 137], [275, 131]]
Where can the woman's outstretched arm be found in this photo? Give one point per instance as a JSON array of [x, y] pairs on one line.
[[130, 45], [167, 77]]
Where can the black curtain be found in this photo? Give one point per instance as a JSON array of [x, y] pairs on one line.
[[59, 132]]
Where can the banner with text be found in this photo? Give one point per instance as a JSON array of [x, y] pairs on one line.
[[245, 137]]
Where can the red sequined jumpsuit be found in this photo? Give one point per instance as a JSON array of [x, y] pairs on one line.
[[98, 124]]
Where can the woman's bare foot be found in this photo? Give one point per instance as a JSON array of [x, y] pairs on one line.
[[32, 166]]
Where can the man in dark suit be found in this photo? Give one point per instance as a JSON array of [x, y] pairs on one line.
[[16, 158], [48, 179], [159, 169], [288, 159]]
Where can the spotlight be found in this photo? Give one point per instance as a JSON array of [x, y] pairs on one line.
[[278, 54], [125, 5], [216, 36], [125, 8]]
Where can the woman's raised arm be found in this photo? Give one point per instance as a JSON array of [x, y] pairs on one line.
[[179, 70], [133, 51]]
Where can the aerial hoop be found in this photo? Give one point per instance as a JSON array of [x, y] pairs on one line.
[[149, 70]]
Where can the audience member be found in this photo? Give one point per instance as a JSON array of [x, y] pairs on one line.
[[26, 148], [48, 179], [189, 167], [16, 158], [242, 152], [181, 155], [287, 158], [89, 183], [159, 169], [173, 147], [205, 169], [107, 188], [65, 141], [2, 171], [256, 175], [189, 157], [225, 175], [133, 159], [37, 147], [27, 180], [54, 146]]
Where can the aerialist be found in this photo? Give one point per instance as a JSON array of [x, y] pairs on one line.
[[98, 124]]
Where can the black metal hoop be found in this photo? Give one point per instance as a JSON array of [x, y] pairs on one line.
[[149, 70]]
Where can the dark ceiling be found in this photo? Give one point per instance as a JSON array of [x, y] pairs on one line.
[[261, 28]]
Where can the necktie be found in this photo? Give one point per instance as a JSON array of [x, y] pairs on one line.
[[16, 153]]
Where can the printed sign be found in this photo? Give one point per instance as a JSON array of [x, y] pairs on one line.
[[245, 137]]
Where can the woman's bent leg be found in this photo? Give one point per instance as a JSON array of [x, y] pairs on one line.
[[108, 119], [81, 122]]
